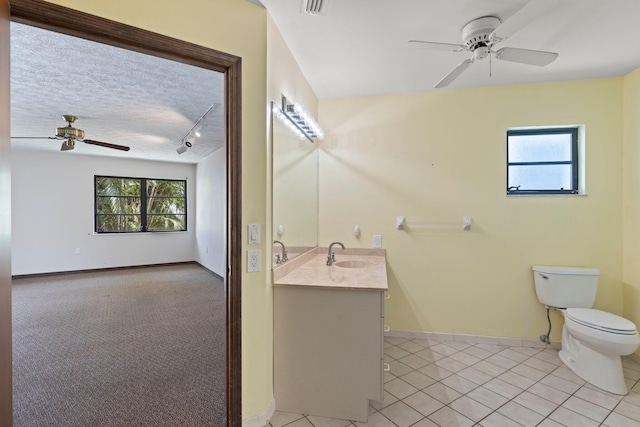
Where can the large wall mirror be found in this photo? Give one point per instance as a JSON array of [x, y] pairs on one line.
[[295, 193]]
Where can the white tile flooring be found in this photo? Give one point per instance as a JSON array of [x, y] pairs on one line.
[[455, 384]]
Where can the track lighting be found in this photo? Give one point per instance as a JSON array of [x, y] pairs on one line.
[[298, 120], [194, 133], [196, 129]]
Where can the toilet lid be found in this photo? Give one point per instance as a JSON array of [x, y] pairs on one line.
[[602, 320]]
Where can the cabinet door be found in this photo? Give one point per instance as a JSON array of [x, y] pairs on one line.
[[326, 350]]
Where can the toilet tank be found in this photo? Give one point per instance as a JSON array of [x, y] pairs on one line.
[[564, 287]]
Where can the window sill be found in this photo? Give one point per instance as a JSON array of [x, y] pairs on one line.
[[548, 195], [137, 233]]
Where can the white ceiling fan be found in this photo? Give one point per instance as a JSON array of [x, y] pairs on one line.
[[481, 35]]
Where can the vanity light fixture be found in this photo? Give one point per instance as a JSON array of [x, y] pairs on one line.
[[298, 120], [195, 132], [277, 112]]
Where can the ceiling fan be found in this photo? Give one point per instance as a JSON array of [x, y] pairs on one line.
[[70, 135], [481, 35]]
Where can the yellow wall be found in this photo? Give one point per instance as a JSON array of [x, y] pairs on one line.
[[237, 27], [631, 168], [439, 156], [296, 158], [283, 76]]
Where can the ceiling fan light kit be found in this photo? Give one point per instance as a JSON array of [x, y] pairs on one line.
[[481, 35], [68, 144]]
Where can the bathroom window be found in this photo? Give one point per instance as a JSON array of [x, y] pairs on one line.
[[137, 205], [542, 161]]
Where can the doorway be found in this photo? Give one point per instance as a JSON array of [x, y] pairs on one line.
[[63, 20]]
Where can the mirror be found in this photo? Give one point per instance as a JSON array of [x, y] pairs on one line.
[[294, 192]]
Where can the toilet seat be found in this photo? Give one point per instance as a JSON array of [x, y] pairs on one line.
[[602, 321]]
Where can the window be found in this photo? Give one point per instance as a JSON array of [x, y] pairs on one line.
[[542, 161], [133, 205]]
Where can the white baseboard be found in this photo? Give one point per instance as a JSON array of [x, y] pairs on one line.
[[263, 419], [472, 339]]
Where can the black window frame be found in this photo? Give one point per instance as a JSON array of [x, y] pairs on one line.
[[143, 205], [573, 131]]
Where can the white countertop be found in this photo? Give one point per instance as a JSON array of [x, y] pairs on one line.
[[311, 270]]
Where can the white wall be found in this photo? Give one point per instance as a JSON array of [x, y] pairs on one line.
[[52, 215], [211, 212]]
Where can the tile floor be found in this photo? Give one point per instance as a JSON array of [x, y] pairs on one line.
[[455, 384]]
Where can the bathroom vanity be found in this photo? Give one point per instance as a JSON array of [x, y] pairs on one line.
[[328, 333]]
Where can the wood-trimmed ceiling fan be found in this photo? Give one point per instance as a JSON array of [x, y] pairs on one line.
[[69, 135]]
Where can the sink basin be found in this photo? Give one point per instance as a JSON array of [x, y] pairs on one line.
[[353, 264]]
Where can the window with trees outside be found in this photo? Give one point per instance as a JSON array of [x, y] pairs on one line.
[[137, 205], [542, 161]]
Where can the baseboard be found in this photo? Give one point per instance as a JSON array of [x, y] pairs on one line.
[[472, 339], [104, 269], [216, 275], [261, 420]]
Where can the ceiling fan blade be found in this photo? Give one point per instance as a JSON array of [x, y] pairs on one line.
[[435, 46], [453, 74], [523, 17], [526, 56], [106, 144], [33, 137]]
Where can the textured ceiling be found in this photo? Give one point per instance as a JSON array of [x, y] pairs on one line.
[[119, 96], [360, 47]]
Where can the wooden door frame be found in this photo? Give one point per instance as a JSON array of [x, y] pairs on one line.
[[5, 222], [60, 19]]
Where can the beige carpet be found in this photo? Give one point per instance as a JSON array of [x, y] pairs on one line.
[[131, 347]]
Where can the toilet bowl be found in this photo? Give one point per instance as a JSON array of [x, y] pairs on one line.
[[592, 340]]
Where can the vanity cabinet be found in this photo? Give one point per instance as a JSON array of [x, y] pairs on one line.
[[328, 350]]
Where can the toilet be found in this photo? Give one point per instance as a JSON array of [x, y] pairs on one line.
[[592, 340]]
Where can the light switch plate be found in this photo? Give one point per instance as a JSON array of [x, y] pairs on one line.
[[253, 234], [253, 261]]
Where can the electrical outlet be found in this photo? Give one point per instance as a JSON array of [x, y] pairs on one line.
[[253, 261], [377, 241], [77, 251]]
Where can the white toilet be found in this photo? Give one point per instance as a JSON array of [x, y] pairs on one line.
[[592, 340]]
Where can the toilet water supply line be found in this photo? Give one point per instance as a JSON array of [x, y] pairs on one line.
[[545, 338]]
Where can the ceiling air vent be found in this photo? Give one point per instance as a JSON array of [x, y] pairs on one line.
[[315, 7]]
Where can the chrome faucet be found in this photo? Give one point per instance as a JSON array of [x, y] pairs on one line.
[[331, 257], [284, 258]]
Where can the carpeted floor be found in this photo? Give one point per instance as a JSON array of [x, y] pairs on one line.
[[131, 347]]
